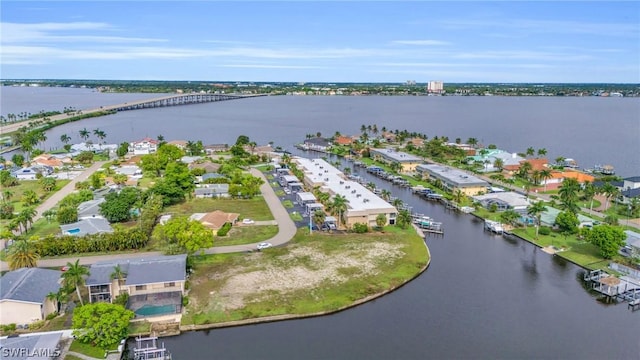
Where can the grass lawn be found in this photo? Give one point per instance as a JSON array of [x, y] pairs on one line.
[[146, 182], [246, 235], [332, 271], [288, 204], [56, 323], [87, 349], [43, 228], [295, 216], [71, 357], [578, 251], [24, 185], [255, 208]]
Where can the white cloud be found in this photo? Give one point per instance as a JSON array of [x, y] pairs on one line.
[[48, 33], [270, 66], [421, 42]]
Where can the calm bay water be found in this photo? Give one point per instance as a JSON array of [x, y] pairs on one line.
[[591, 130], [483, 296]]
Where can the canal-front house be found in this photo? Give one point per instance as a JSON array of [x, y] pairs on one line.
[[23, 295], [453, 179], [407, 163], [363, 206], [144, 146], [155, 285]]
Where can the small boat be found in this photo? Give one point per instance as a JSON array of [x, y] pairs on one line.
[[493, 226]]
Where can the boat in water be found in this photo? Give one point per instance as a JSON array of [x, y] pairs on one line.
[[493, 226]]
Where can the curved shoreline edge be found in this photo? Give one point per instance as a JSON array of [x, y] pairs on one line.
[[268, 319]]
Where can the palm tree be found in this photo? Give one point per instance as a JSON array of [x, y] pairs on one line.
[[49, 214], [118, 274], [611, 192], [458, 195], [397, 203], [58, 298], [498, 164], [74, 277], [542, 152], [6, 195], [319, 216], [22, 254], [545, 174], [30, 197], [84, 134], [530, 151], [26, 215], [536, 209], [339, 206], [569, 195], [386, 194], [65, 138], [472, 141], [100, 135]]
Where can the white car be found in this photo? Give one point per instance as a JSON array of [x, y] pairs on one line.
[[247, 221], [264, 245]]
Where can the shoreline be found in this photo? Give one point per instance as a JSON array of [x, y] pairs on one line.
[[284, 317]]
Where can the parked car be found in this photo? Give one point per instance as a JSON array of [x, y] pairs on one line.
[[247, 221], [264, 245]]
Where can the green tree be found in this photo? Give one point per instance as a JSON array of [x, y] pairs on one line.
[[26, 216], [188, 235], [49, 214], [84, 134], [21, 254], [117, 206], [59, 297], [118, 274], [509, 216], [611, 192], [569, 195], [567, 222], [318, 217], [48, 183], [65, 138], [30, 197], [123, 149], [17, 160], [339, 206], [403, 219], [608, 238], [74, 277], [101, 324], [536, 209], [67, 214], [381, 220]]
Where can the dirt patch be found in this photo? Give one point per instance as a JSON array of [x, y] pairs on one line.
[[302, 267]]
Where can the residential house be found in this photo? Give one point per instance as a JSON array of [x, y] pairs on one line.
[[215, 219], [453, 179], [317, 143], [87, 226], [488, 158], [536, 165], [557, 177], [90, 209], [208, 166], [215, 148], [630, 189], [503, 201], [416, 142], [23, 295], [144, 146], [633, 242], [304, 198], [212, 176], [31, 172], [190, 159], [407, 162], [155, 284], [343, 140], [37, 346], [49, 160], [212, 191], [388, 136], [180, 144]]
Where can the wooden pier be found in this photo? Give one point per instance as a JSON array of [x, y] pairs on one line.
[[147, 348]]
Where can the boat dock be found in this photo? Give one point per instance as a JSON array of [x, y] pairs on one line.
[[624, 288], [427, 225], [493, 226], [147, 348]]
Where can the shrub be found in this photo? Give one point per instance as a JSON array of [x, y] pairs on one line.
[[52, 315], [121, 299], [360, 228], [185, 300], [224, 229], [6, 211], [544, 230]]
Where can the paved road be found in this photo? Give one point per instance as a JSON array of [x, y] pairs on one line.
[[286, 231], [66, 190]]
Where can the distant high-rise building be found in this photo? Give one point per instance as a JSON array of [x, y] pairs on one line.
[[410, 82], [435, 87]]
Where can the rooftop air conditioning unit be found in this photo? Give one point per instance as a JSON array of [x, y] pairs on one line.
[[341, 182]]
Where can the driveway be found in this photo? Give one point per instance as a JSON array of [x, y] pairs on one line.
[[286, 229]]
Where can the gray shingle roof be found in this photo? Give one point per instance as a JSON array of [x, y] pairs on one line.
[[29, 284], [33, 345], [141, 271], [87, 226], [90, 208]]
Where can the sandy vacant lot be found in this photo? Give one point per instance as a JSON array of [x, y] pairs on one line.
[[301, 267]]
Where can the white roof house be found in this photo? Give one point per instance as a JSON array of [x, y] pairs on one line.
[[504, 200], [363, 205], [144, 146]]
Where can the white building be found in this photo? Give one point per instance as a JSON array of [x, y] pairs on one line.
[[363, 205], [144, 146], [435, 87]]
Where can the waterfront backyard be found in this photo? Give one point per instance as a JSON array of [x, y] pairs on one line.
[[313, 274]]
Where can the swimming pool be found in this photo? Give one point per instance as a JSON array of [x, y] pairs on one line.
[[149, 310]]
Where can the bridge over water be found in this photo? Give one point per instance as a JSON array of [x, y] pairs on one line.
[[169, 100], [175, 100]]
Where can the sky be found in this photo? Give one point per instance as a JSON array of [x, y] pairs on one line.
[[322, 41]]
